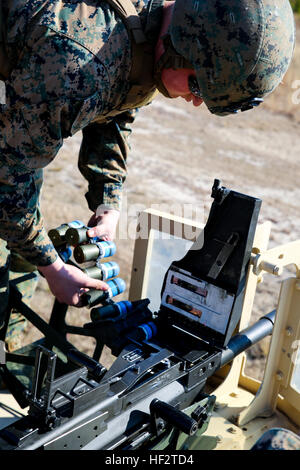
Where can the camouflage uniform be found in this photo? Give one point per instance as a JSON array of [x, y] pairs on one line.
[[70, 64], [71, 70], [278, 439]]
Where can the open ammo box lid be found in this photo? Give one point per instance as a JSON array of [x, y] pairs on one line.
[[203, 292]]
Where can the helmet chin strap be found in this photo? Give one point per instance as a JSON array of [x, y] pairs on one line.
[[170, 59], [159, 66]]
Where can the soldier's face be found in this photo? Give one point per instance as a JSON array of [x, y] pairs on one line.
[[176, 82]]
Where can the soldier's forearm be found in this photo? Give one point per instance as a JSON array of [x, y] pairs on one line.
[[38, 250], [52, 269]]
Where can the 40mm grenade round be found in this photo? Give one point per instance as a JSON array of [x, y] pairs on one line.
[[74, 236], [103, 271], [94, 251], [58, 235], [111, 311], [94, 297]]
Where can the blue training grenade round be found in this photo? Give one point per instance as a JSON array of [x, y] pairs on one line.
[[103, 271], [111, 311]]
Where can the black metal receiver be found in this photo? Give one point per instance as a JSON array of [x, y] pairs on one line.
[[155, 389]]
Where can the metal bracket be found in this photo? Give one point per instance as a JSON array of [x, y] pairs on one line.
[[34, 398], [273, 261], [223, 255]]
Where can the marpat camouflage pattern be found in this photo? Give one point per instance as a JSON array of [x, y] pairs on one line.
[[69, 63], [239, 49]]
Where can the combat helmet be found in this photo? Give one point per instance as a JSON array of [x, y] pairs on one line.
[[239, 49]]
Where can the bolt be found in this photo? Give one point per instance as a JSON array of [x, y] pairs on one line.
[[160, 425], [270, 268], [279, 375], [289, 331], [276, 270]]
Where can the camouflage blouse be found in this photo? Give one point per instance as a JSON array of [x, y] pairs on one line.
[[70, 63]]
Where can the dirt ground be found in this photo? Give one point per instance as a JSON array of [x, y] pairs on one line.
[[177, 152]]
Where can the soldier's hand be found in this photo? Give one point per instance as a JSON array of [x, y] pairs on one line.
[[104, 223], [67, 283]]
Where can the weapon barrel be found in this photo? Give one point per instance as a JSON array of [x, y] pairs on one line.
[[246, 338]]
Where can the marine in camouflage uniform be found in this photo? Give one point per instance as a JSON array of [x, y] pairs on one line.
[[70, 63], [67, 67]]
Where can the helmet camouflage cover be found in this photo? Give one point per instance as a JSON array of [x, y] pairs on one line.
[[239, 49]]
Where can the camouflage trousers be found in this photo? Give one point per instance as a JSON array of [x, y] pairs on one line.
[[15, 269]]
